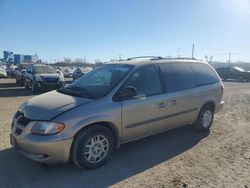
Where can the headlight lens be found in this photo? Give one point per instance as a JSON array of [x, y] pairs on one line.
[[39, 79], [47, 128]]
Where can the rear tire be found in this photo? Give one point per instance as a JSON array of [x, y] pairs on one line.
[[205, 118], [241, 79], [92, 147]]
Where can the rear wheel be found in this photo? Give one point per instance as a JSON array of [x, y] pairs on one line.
[[92, 147], [205, 118], [241, 79]]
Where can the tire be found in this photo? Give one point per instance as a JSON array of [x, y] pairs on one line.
[[26, 85], [84, 155], [33, 88], [241, 79], [205, 118]]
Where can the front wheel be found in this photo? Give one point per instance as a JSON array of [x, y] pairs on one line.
[[26, 85], [33, 88], [92, 147], [205, 118]]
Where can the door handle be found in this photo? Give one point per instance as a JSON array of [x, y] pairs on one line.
[[161, 105], [173, 102]]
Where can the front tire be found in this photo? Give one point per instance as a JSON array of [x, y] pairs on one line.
[[33, 88], [92, 147], [26, 85], [205, 118]]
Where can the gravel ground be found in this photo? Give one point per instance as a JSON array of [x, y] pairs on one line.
[[177, 158]]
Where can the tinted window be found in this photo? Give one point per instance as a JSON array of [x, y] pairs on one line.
[[146, 80], [177, 76], [204, 74]]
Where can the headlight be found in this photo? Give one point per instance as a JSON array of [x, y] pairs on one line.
[[47, 128], [39, 79]]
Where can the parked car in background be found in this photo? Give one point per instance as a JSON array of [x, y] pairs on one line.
[[40, 77], [68, 72], [20, 73], [114, 104], [235, 73], [59, 72], [3, 73], [81, 71], [12, 70]]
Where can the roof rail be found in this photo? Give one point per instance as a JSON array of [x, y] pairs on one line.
[[148, 57], [184, 58]]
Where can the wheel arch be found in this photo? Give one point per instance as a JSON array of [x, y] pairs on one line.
[[209, 103], [109, 125]]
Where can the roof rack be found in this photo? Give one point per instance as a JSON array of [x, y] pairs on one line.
[[184, 58], [144, 57]]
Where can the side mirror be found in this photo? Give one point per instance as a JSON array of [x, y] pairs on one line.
[[128, 92]]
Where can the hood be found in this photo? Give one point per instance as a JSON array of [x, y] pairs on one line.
[[49, 105], [55, 75]]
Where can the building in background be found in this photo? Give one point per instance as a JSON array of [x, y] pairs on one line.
[[27, 58], [18, 58], [8, 56]]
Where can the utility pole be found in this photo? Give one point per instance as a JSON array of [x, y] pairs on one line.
[[229, 57], [178, 52], [193, 51], [120, 57]]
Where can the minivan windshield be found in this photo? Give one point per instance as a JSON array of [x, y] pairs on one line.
[[44, 70], [99, 82]]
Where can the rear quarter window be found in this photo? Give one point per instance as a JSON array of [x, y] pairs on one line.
[[203, 74], [177, 76]]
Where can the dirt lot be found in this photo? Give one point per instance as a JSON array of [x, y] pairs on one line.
[[178, 158]]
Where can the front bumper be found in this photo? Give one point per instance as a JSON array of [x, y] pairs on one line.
[[46, 149], [219, 106], [49, 153], [48, 86]]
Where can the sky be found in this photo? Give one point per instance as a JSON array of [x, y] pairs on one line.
[[104, 29]]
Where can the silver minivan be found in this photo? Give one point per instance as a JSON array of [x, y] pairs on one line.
[[114, 104]]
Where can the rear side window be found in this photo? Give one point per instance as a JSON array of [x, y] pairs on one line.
[[177, 76], [204, 74]]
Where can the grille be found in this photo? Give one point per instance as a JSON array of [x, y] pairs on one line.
[[19, 122], [51, 80]]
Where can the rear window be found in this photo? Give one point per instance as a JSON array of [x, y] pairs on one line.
[[177, 76], [204, 74]]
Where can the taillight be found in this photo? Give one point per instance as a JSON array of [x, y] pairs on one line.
[[222, 89]]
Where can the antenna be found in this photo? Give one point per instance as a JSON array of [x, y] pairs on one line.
[[193, 51]]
